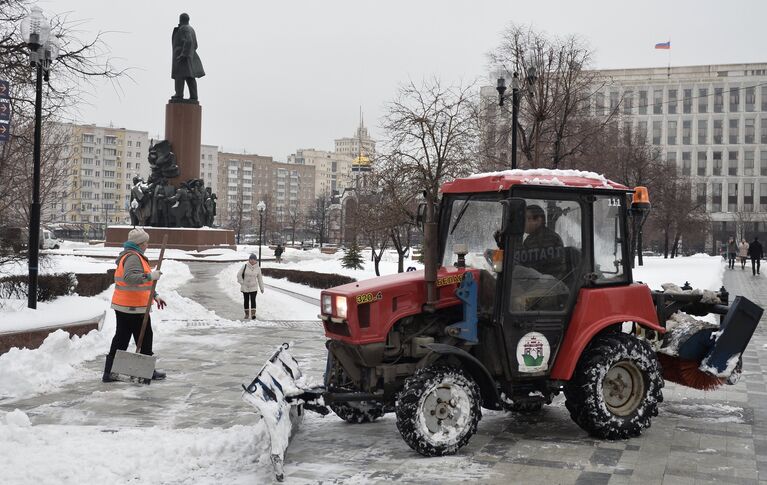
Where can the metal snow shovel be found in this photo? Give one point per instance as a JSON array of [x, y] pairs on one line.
[[137, 364]]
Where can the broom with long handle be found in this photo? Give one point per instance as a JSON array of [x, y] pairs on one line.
[[151, 298]]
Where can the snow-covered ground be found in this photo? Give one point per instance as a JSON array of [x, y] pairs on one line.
[[87, 454]]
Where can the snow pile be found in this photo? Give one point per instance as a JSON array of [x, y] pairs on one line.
[[143, 455], [681, 327], [707, 296], [25, 372], [52, 264], [701, 271], [63, 310]]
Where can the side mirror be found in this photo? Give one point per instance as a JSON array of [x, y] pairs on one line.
[[420, 215], [513, 216]]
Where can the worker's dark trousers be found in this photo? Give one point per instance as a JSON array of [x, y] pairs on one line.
[[128, 324], [755, 262]]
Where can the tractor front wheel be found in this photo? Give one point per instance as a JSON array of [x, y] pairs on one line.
[[438, 410], [616, 387]]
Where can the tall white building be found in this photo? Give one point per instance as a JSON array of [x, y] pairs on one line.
[[333, 171], [209, 166], [361, 144], [712, 122]]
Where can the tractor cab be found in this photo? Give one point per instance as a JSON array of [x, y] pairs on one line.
[[535, 243]]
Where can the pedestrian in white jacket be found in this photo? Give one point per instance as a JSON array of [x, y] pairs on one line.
[[250, 280]]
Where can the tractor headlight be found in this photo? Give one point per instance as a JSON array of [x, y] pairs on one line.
[[341, 306], [327, 303]]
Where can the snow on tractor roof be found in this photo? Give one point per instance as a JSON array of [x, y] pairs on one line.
[[496, 181]]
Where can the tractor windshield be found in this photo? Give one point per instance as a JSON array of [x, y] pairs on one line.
[[472, 222]]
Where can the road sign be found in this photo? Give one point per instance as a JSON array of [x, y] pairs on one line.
[[5, 111]]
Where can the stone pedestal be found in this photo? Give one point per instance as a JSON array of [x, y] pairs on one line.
[[185, 238], [183, 122]]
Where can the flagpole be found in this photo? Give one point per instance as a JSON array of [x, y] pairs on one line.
[[669, 58]]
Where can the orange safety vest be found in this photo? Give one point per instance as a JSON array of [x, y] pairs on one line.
[[128, 295]]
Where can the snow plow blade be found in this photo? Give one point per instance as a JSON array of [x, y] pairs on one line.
[[702, 355], [275, 394]]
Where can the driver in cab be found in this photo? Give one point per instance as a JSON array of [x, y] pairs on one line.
[[542, 249]]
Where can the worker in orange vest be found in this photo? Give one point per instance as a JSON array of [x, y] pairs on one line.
[[133, 284]]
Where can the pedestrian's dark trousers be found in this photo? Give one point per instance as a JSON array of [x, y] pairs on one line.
[[128, 324], [755, 263], [731, 257], [251, 295]]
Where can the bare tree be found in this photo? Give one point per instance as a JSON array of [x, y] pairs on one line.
[[81, 62], [236, 213], [432, 135], [555, 124], [318, 219], [296, 217]]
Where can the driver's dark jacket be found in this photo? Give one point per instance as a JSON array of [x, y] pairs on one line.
[[544, 252]]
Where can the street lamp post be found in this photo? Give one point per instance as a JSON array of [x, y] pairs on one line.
[[43, 50], [501, 88], [261, 207]]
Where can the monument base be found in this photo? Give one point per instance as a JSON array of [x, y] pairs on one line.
[[185, 238], [183, 123]]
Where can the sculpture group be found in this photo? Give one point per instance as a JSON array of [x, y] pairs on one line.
[[157, 203]]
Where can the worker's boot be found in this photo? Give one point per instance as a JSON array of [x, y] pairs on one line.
[[158, 375]]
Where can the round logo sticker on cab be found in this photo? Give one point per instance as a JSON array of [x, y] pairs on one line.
[[533, 352]]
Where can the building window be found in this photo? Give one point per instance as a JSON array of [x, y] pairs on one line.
[[748, 163], [643, 101], [718, 100], [642, 131], [732, 162], [672, 101], [657, 101], [686, 164], [687, 102], [764, 98], [600, 104], [686, 132], [717, 167], [763, 163], [734, 100], [702, 162], [749, 131], [748, 197], [702, 100], [614, 97], [718, 135], [671, 133], [762, 197], [700, 192], [732, 197], [702, 132], [763, 130], [750, 99], [657, 129], [628, 102], [733, 132], [716, 193]]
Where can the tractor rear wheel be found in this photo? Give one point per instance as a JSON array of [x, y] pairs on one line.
[[438, 410], [616, 387]]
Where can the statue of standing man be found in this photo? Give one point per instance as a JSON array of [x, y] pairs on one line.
[[187, 66]]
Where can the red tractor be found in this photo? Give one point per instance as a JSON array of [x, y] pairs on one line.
[[534, 296]]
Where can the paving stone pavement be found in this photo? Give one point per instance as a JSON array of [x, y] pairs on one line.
[[699, 437]]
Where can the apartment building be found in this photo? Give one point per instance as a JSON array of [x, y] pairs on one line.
[[102, 162], [244, 180], [711, 121], [333, 171]]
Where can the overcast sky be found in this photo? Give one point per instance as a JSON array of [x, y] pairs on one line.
[[283, 75]]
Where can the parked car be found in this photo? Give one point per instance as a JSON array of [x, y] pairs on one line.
[[48, 240]]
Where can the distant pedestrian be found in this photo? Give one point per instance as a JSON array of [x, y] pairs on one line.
[[756, 252], [743, 253], [133, 284], [278, 252], [732, 252], [250, 280]]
